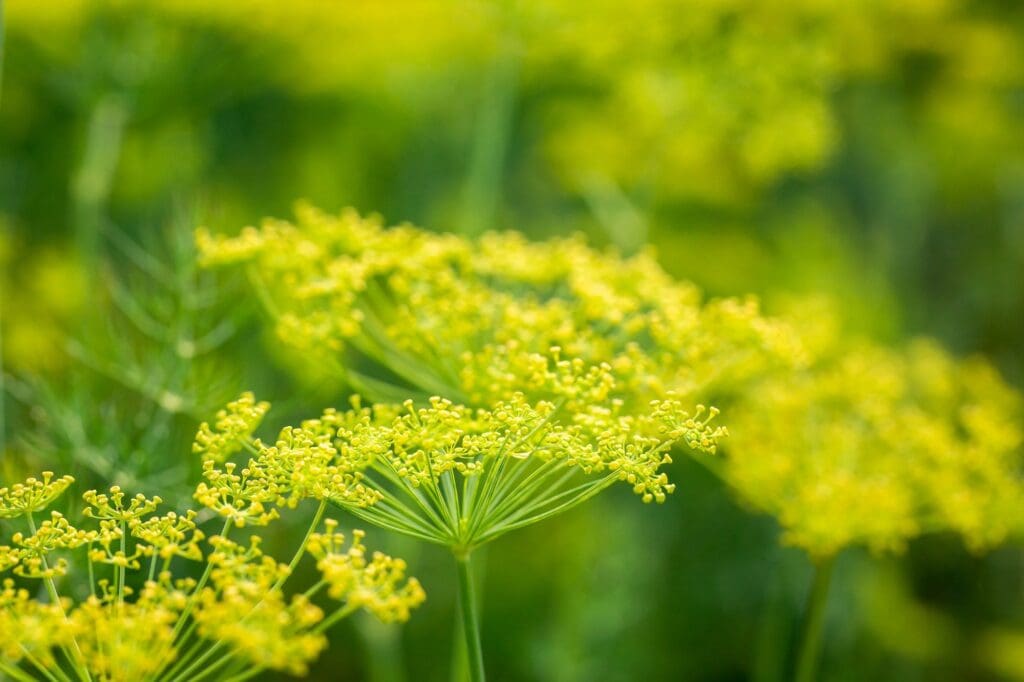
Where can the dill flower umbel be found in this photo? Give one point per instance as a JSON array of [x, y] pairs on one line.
[[140, 622], [31, 496], [474, 319], [455, 475], [875, 446], [233, 425], [452, 475]]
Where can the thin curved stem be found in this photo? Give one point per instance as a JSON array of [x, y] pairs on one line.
[[248, 674], [470, 621], [301, 551], [814, 620], [121, 571], [341, 614]]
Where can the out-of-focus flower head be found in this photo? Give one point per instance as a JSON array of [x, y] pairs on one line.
[[43, 293], [875, 446], [706, 101]]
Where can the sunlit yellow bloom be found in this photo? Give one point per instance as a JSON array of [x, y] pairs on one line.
[[123, 635], [33, 495], [376, 583], [233, 428]]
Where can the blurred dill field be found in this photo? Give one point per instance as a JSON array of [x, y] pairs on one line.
[[507, 270]]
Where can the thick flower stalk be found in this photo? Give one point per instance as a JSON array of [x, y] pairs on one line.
[[460, 477], [140, 622]]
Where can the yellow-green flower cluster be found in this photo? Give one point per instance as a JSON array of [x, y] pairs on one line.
[[843, 445], [377, 585], [700, 100], [171, 535], [30, 552], [30, 630], [172, 629], [302, 464], [241, 609], [231, 430], [31, 496], [127, 640], [461, 476], [875, 446], [713, 101], [478, 320]]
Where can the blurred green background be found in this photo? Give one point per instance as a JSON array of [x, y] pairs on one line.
[[865, 151]]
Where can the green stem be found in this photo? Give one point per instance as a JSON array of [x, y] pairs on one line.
[[470, 622], [194, 666], [814, 619], [14, 672], [189, 673], [211, 668], [56, 676], [122, 570], [389, 522], [3, 52], [187, 611], [342, 613], [240, 677], [77, 660], [185, 656], [92, 569], [301, 551], [3, 390]]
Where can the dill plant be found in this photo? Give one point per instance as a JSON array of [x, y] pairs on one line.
[[133, 374], [143, 618]]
